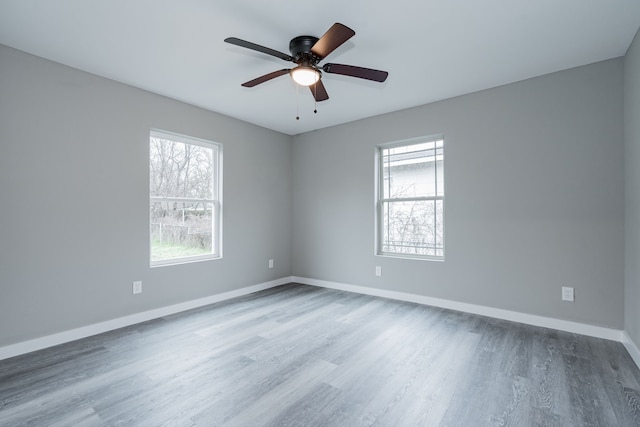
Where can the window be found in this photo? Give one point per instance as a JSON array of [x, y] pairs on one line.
[[185, 198], [411, 199]]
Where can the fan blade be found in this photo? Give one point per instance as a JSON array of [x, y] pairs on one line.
[[265, 78], [257, 47], [360, 72], [318, 91], [334, 37]]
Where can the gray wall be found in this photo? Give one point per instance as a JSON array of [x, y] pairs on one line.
[[534, 198], [74, 225], [534, 181], [632, 190]]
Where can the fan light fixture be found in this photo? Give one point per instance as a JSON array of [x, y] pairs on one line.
[[305, 75]]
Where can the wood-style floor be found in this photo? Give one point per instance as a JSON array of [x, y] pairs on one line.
[[303, 356]]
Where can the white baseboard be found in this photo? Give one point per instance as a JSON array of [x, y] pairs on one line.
[[529, 319], [109, 325], [514, 316], [631, 347]]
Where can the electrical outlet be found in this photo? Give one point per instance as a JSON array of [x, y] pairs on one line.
[[568, 294], [137, 287], [270, 263], [378, 270]]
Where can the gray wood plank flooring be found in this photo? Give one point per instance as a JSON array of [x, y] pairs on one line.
[[297, 355]]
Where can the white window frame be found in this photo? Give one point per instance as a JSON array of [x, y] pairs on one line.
[[216, 200], [381, 200]]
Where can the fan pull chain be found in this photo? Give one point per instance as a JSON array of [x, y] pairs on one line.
[[297, 102], [315, 98]]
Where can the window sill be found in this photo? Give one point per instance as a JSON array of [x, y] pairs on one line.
[[187, 260], [409, 256]]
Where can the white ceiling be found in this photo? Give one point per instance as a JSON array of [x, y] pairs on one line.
[[432, 49]]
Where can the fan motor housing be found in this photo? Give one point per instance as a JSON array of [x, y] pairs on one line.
[[300, 46]]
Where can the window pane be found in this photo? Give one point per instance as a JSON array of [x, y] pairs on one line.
[[414, 228], [439, 220], [440, 177], [411, 171], [180, 170], [180, 229]]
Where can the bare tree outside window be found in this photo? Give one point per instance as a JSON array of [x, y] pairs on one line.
[[184, 202], [411, 199]]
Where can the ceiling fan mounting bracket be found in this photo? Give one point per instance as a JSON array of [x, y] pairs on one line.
[[300, 48]]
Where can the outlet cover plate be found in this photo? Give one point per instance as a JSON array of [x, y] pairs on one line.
[[568, 294], [137, 287]]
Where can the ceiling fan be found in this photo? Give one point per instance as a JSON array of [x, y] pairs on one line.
[[307, 52]]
